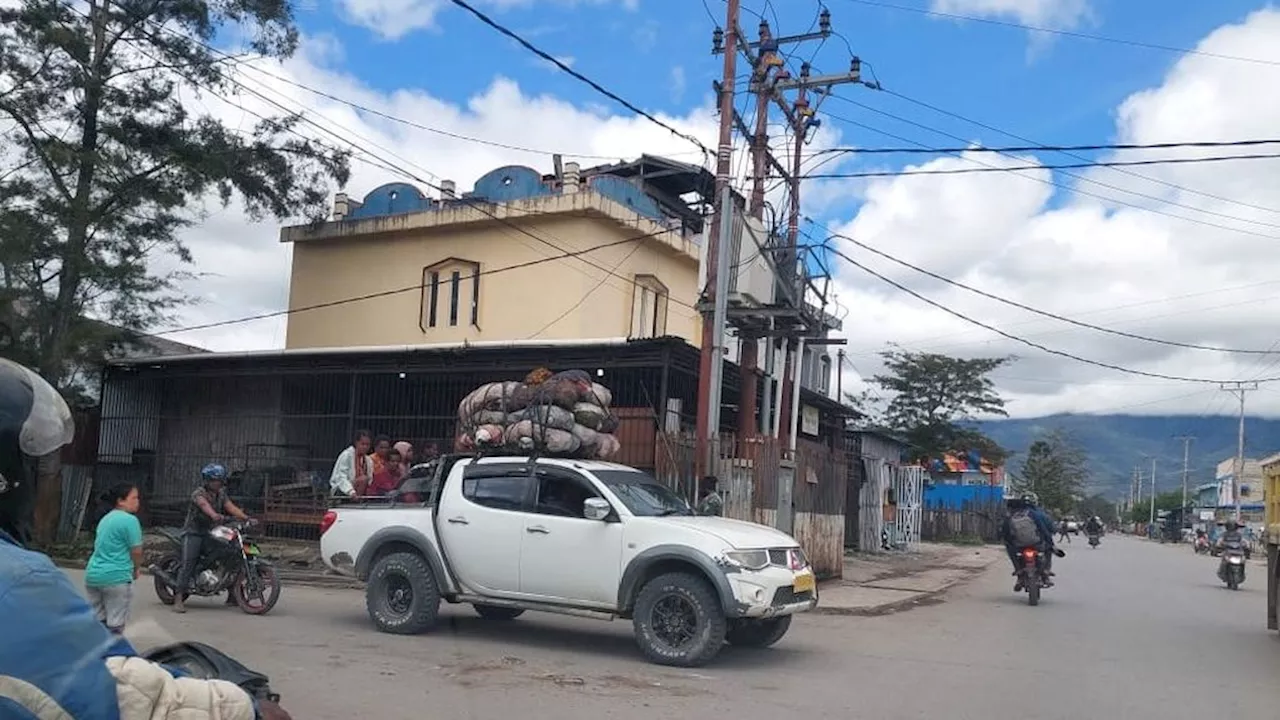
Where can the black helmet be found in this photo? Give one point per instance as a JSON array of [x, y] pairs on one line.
[[34, 422]]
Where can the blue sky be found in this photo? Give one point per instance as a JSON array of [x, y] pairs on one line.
[[1054, 89]]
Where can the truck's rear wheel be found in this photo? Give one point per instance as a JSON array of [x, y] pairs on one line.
[[493, 612], [758, 633], [402, 596], [679, 621]]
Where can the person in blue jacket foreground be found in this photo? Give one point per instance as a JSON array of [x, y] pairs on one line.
[[57, 661]]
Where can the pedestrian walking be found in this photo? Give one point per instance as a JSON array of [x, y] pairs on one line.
[[116, 559]]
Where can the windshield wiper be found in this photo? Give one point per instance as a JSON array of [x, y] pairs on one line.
[[674, 511]]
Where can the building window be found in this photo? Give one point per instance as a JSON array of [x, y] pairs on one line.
[[455, 287], [434, 301], [649, 301], [460, 280]]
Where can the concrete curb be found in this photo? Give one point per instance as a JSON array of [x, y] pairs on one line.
[[922, 598]]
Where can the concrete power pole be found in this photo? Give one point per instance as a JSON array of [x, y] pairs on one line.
[[711, 360], [770, 79], [1239, 389], [1152, 519], [1186, 473]]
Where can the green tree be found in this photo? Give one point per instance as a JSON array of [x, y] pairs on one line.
[[1141, 511], [934, 397], [104, 165], [1097, 505], [1056, 469]]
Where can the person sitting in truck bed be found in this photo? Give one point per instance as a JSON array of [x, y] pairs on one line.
[[353, 469], [388, 477]]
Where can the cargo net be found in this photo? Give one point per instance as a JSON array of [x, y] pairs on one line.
[[561, 414]]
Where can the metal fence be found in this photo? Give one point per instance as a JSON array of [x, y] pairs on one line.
[[279, 435]]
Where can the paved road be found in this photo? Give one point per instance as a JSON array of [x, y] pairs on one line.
[[1133, 630]]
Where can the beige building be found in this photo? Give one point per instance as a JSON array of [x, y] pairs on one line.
[[606, 252]]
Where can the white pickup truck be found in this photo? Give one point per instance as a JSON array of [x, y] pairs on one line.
[[597, 539]]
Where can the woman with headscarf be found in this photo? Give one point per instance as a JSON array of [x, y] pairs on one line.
[[406, 457]]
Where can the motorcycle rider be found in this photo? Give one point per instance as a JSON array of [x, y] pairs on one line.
[[1025, 518], [208, 504], [1231, 537], [1093, 526]]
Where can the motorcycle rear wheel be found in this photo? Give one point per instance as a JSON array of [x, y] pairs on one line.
[[270, 582], [1033, 589]]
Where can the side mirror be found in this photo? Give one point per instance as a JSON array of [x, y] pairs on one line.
[[596, 509]]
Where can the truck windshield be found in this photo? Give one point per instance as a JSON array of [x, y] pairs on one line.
[[643, 495]]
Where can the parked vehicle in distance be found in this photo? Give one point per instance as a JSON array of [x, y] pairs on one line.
[[589, 538]]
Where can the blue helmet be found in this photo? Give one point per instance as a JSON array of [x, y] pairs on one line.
[[213, 471]]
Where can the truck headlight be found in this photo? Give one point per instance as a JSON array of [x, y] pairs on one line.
[[749, 559]]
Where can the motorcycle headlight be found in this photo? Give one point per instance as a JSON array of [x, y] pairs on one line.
[[749, 559], [1235, 559]]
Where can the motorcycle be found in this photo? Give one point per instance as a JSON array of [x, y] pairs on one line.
[[1202, 545], [1094, 539], [1231, 569], [198, 660], [229, 562], [1031, 577]]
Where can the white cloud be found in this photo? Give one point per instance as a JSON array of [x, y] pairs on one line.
[[1057, 14], [393, 19], [678, 83], [1096, 259]]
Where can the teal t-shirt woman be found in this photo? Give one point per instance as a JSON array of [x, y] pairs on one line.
[[116, 559]]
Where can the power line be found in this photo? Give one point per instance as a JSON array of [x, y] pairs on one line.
[[479, 207], [1047, 148], [579, 76], [1159, 181], [1024, 341], [397, 291], [585, 295], [1067, 33], [420, 126], [1064, 186], [301, 116], [1037, 311], [1065, 166]]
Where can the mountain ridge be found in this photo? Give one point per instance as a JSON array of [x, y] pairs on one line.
[[1116, 444]]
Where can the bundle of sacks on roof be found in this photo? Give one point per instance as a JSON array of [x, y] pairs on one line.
[[564, 414]]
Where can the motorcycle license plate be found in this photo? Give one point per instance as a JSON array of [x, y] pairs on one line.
[[250, 549], [804, 582]]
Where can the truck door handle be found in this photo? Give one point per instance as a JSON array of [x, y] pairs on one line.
[[459, 520], [537, 530]]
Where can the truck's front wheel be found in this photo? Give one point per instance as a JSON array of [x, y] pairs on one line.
[[758, 633], [679, 620], [402, 596]]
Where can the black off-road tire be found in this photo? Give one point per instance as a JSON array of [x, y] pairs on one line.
[[758, 633], [710, 625], [494, 612], [396, 573]]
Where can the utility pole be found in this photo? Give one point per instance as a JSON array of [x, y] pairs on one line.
[[1135, 489], [1152, 520], [711, 359], [1239, 389], [770, 79], [1186, 474]]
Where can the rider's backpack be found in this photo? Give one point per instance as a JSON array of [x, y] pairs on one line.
[[1023, 530]]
